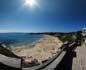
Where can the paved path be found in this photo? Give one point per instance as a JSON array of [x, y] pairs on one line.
[[79, 63]]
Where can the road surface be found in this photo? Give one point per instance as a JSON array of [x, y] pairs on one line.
[[79, 63]]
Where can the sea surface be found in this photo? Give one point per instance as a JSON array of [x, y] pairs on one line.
[[17, 39]]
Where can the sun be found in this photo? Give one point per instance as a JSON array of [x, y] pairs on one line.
[[30, 3]]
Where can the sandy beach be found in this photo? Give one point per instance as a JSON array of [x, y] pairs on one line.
[[41, 50]]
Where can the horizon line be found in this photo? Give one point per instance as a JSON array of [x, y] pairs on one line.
[[42, 32]]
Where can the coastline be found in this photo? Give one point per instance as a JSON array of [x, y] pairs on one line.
[[41, 49]]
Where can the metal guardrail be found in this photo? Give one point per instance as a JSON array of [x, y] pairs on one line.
[[43, 65], [9, 61], [72, 44], [14, 62]]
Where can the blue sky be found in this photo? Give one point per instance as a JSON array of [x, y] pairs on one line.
[[48, 16]]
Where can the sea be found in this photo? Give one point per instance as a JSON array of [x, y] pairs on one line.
[[17, 39]]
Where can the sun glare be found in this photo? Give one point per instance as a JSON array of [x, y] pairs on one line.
[[30, 3]]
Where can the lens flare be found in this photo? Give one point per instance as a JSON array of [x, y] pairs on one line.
[[30, 3]]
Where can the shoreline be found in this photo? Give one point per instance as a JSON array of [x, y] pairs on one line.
[[41, 49]]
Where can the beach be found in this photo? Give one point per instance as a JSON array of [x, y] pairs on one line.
[[41, 50]]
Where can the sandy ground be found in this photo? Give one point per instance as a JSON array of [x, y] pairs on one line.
[[41, 50]]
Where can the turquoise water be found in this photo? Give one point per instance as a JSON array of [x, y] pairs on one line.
[[19, 38]]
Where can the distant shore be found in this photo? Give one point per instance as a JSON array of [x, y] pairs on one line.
[[41, 50]]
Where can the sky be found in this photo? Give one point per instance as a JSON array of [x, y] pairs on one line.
[[42, 15]]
